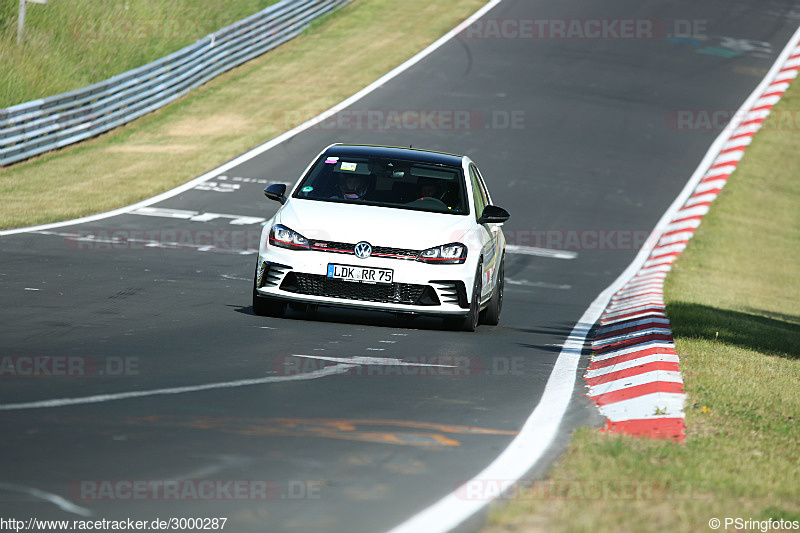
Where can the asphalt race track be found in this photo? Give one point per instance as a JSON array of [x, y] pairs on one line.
[[578, 139]]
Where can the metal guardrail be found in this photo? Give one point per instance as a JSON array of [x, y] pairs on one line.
[[38, 126]]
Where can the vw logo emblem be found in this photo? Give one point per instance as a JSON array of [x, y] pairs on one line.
[[363, 250]]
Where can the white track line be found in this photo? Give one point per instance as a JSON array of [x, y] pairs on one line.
[[372, 361], [55, 499], [101, 398], [541, 252]]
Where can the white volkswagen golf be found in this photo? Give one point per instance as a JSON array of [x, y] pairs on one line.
[[389, 229]]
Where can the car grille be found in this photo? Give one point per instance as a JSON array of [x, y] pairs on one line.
[[377, 251], [398, 293]]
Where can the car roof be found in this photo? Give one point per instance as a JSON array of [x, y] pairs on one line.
[[412, 154]]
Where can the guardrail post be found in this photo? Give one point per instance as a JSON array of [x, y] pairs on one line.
[[21, 18], [21, 22]]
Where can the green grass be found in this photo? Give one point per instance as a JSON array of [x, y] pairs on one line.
[[73, 43], [226, 117], [733, 299]]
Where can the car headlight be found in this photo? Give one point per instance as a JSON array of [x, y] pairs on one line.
[[284, 237], [454, 253]]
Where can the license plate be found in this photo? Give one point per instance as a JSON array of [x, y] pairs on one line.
[[360, 274]]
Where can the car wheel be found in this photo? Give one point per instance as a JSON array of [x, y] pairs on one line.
[[473, 317], [491, 315], [267, 306], [470, 322]]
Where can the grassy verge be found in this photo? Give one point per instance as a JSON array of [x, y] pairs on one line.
[[732, 299], [229, 115], [73, 43]]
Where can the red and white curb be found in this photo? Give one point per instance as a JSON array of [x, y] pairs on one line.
[[634, 376]]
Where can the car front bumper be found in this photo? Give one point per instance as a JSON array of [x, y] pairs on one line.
[[418, 288]]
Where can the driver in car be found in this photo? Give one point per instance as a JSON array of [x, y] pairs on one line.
[[430, 188], [352, 186]]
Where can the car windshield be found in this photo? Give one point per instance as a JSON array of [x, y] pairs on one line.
[[386, 182]]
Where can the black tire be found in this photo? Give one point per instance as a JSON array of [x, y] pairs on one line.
[[491, 315], [266, 306], [471, 321]]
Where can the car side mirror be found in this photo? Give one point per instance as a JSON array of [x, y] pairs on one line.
[[493, 214], [276, 192]]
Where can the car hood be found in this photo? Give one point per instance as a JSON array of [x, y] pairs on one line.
[[380, 226]]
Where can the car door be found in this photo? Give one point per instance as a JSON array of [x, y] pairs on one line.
[[488, 232]]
